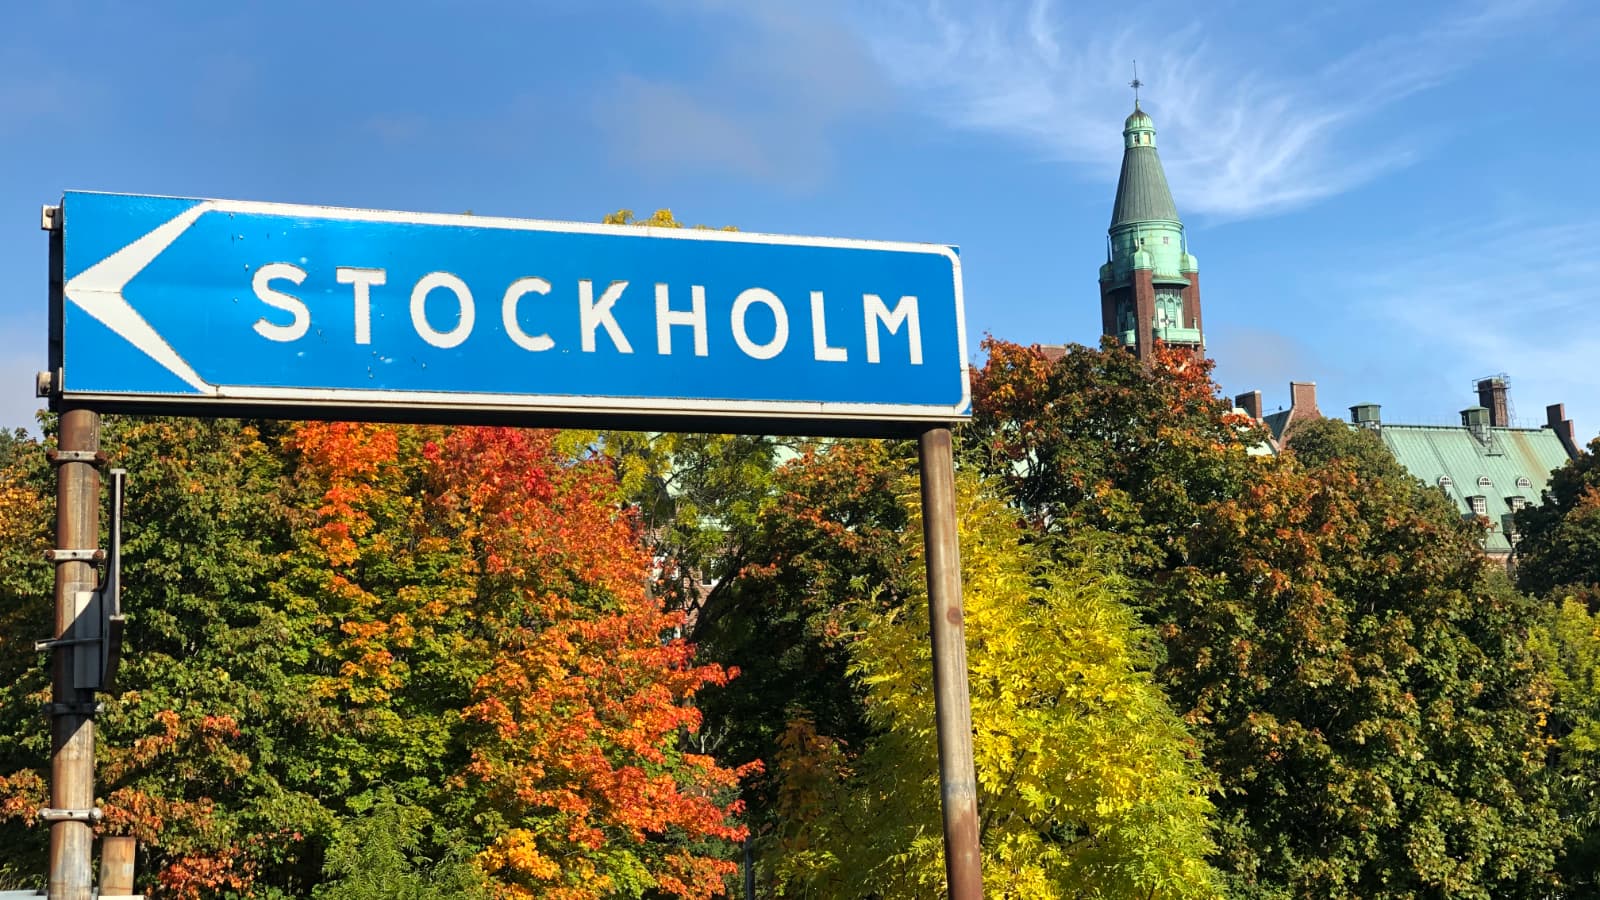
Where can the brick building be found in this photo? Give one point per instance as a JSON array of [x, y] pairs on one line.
[[1487, 465]]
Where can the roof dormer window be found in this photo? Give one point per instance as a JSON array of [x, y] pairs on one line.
[[1483, 481]]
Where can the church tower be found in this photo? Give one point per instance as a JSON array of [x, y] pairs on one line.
[[1150, 285]]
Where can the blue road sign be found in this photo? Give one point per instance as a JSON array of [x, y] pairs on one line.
[[174, 305]]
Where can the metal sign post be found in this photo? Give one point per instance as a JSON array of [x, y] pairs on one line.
[[957, 776], [164, 305], [72, 812]]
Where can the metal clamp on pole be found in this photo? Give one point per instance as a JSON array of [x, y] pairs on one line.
[[102, 621], [71, 709], [61, 556], [92, 814], [62, 457]]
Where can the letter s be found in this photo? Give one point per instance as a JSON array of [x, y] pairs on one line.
[[262, 282]]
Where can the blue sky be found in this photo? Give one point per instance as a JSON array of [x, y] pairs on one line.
[[1386, 199]]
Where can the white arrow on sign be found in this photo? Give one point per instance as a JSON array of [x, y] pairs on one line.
[[97, 290]]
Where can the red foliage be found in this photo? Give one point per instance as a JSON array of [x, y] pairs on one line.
[[589, 692]]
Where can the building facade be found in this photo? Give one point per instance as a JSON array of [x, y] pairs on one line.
[[1150, 283], [1487, 466]]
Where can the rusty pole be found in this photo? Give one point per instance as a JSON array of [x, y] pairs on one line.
[[116, 866], [957, 775], [71, 812]]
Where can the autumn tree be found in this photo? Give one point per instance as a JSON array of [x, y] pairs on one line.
[[823, 543], [1569, 643], [1364, 686], [578, 713], [1088, 785], [1360, 683], [1094, 439], [1557, 559], [329, 621], [1559, 539]]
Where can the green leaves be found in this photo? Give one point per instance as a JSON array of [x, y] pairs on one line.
[[324, 620], [1560, 538], [1359, 682]]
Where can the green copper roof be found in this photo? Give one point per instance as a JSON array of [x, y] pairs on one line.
[[1142, 192], [1452, 458]]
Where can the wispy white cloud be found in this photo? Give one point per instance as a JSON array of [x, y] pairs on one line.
[[1509, 295], [1246, 128]]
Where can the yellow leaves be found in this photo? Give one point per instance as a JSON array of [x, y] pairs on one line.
[[1070, 738], [517, 853]]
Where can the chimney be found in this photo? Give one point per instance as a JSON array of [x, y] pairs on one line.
[[1251, 404], [1303, 400], [1556, 420], [1492, 396], [1366, 415], [1476, 418]]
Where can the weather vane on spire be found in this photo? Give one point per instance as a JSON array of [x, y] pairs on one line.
[[1136, 84]]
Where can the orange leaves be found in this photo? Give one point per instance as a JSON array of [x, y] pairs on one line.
[[21, 794], [490, 554], [585, 698], [352, 456]]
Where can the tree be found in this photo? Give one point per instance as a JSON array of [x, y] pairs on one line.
[[1088, 784], [1360, 683], [326, 618], [829, 532], [1569, 642], [578, 714], [1364, 687], [699, 498], [379, 857], [1559, 541], [1557, 559], [1096, 440]]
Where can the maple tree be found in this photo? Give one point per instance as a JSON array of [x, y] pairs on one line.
[[331, 621], [826, 538]]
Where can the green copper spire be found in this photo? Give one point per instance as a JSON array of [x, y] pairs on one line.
[[1150, 287], [1142, 192]]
